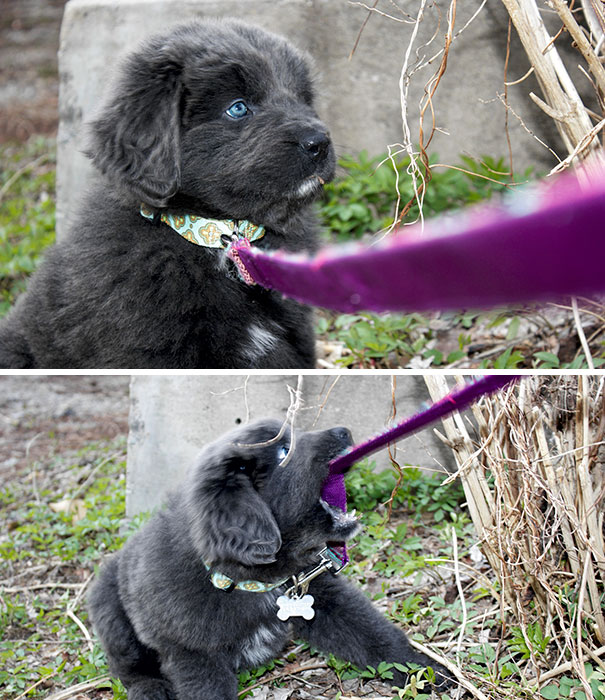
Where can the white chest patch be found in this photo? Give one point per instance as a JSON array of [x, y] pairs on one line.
[[259, 647], [260, 342]]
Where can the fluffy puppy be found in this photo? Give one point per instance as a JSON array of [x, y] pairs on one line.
[[213, 122], [174, 608]]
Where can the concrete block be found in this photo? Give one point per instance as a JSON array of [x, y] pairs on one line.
[[359, 98], [172, 417]]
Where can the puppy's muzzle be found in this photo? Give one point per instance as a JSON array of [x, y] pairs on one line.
[[341, 439], [342, 435], [316, 145]]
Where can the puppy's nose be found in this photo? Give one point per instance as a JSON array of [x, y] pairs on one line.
[[315, 144], [342, 434]]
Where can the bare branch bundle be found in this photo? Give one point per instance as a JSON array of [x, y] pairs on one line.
[[534, 478], [419, 57], [563, 103]]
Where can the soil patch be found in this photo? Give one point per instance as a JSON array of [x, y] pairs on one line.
[[29, 75], [44, 416]]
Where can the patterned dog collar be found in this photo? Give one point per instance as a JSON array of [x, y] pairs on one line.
[[225, 583], [210, 233], [329, 560]]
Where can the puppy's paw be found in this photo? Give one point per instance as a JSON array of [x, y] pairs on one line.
[[443, 678], [151, 689]]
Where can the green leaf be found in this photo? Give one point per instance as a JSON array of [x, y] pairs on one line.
[[455, 356], [548, 358], [550, 692], [508, 359], [437, 356], [513, 329]]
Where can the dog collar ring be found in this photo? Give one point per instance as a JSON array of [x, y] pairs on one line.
[[228, 238]]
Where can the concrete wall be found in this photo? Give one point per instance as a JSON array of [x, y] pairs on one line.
[[172, 417], [359, 98]]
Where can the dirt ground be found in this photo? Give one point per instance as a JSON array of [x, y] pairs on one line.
[[29, 76], [44, 416]]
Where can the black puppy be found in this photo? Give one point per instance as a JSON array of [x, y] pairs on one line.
[[211, 130], [206, 588]]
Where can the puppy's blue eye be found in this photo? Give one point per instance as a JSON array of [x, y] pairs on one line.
[[238, 110], [282, 453]]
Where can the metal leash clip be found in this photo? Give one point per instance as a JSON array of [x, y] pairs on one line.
[[228, 238], [329, 561]]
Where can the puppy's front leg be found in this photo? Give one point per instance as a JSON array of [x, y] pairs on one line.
[[199, 676], [347, 625], [15, 352]]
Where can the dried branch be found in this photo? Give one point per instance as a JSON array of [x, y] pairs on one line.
[[584, 46], [452, 668], [296, 401], [540, 522], [460, 594], [561, 97]]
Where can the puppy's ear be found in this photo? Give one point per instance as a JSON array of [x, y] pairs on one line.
[[243, 529], [232, 522], [136, 139]]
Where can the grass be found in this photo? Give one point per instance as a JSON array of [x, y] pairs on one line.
[[492, 340], [49, 548], [362, 200], [27, 213]]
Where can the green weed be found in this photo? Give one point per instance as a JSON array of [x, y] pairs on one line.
[[27, 213], [70, 544], [417, 491], [363, 200], [532, 643], [572, 688]]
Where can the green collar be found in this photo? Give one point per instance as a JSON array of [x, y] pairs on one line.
[[209, 233], [225, 583]]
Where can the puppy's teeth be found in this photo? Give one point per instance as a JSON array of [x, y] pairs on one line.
[[321, 180]]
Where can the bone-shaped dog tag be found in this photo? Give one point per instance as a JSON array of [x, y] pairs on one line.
[[295, 607]]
